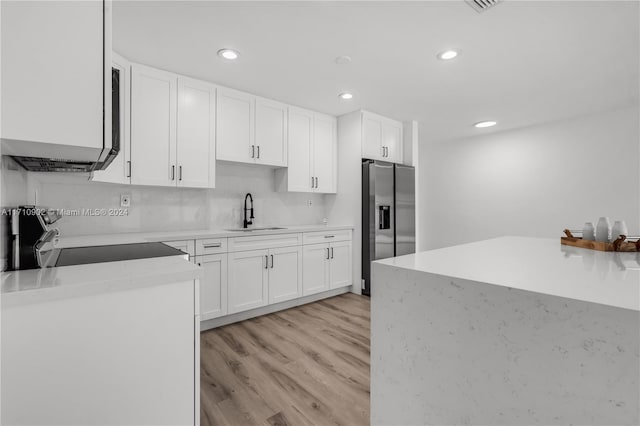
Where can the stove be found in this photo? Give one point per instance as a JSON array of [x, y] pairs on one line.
[[112, 253]]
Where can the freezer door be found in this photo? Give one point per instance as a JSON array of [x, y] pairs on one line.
[[405, 210], [384, 219]]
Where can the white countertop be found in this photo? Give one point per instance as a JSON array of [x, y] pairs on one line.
[[537, 265], [139, 237], [40, 285]]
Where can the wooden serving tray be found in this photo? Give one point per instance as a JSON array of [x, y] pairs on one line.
[[618, 245]]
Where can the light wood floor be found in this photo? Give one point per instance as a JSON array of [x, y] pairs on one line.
[[304, 366]]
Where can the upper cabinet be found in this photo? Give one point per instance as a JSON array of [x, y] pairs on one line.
[[312, 164], [251, 129], [56, 74], [153, 126], [172, 129], [381, 138], [119, 171], [235, 131], [196, 147]]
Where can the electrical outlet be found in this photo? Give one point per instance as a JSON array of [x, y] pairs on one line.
[[125, 200], [309, 203]]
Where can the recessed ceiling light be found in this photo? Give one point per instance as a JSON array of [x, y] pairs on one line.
[[447, 54], [343, 60], [229, 54], [345, 96], [484, 124]]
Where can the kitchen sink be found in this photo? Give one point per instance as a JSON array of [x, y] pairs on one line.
[[268, 228]]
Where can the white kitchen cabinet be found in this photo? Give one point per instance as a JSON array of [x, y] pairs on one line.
[[271, 133], [312, 165], [341, 264], [56, 77], [195, 156], [324, 154], [315, 269], [153, 126], [119, 171], [248, 278], [326, 266], [285, 273], [213, 286], [381, 138], [235, 129]]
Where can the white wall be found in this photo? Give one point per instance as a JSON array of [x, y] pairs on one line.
[[158, 208], [533, 181]]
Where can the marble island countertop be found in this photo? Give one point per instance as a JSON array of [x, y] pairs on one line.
[[537, 265], [137, 237], [48, 284]]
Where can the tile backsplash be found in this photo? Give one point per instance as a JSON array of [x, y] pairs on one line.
[[160, 208]]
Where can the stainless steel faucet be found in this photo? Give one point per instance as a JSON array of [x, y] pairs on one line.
[[246, 222]]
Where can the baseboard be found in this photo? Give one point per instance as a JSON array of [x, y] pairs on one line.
[[263, 310]]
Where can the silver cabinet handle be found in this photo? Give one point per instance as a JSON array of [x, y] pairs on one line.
[[253, 151], [266, 261], [216, 245], [180, 173], [258, 151], [128, 169], [332, 252], [327, 253], [316, 182], [271, 261], [329, 236], [312, 182], [173, 172]]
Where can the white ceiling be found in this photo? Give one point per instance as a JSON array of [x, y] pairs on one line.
[[521, 63]]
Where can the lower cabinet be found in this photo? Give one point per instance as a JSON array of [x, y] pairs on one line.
[[285, 273], [213, 286], [248, 280], [326, 266]]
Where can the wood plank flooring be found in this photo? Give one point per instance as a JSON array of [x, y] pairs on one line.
[[307, 365]]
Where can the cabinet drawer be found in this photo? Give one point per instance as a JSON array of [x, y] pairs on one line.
[[326, 236], [211, 246], [260, 242], [186, 246]]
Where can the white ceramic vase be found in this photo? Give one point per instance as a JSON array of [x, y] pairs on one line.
[[619, 228], [588, 232], [603, 229]]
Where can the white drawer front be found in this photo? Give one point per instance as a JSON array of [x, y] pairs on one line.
[[260, 242], [186, 246], [211, 246], [326, 236]]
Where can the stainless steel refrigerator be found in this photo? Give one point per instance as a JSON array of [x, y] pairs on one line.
[[388, 214]]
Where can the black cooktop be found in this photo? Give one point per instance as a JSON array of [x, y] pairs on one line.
[[114, 253]]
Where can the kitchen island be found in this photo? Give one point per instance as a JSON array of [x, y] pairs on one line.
[[102, 343], [506, 331]]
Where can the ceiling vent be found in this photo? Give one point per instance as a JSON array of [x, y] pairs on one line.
[[481, 5]]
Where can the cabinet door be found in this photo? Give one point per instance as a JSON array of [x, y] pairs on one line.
[[324, 153], [392, 140], [371, 136], [213, 286], [153, 126], [315, 268], [235, 137], [118, 170], [300, 134], [196, 159], [285, 273], [53, 64], [247, 280], [271, 133], [340, 270]]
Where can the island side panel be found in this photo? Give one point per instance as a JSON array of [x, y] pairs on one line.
[[453, 351]]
